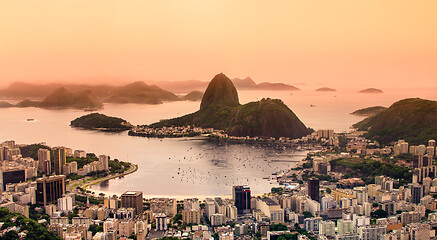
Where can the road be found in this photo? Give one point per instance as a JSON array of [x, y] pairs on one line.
[[85, 182]]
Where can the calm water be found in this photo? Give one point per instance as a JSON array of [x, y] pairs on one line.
[[191, 167]]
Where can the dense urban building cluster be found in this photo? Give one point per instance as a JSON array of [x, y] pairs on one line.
[[318, 199]]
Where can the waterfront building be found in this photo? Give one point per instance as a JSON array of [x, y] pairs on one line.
[[271, 209], [241, 197], [191, 203], [104, 163], [209, 207], [164, 205], [132, 199]]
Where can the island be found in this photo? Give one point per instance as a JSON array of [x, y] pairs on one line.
[[371, 91], [413, 120], [325, 89], [369, 111], [101, 122]]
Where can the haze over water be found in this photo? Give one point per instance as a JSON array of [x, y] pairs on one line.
[[192, 166]]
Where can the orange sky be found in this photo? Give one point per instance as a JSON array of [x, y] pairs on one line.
[[369, 43]]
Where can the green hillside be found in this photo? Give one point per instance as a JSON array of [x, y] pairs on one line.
[[413, 120]]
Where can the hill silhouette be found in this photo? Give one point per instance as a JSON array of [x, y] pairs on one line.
[[61, 98], [220, 91], [193, 96], [413, 120], [220, 110], [371, 90], [369, 111]]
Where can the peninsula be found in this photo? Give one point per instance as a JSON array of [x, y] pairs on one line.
[[220, 109]]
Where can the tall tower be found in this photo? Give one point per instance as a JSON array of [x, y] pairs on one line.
[[43, 156], [241, 197], [313, 189], [60, 159]]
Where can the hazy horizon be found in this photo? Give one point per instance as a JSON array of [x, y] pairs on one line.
[[318, 43]]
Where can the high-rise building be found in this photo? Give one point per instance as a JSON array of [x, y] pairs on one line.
[[417, 192], [111, 203], [8, 144], [50, 189], [241, 197], [60, 159], [47, 166], [191, 216], [313, 189], [430, 151], [209, 207], [2, 153], [13, 175], [161, 222], [132, 199], [104, 162], [191, 203], [43, 156]]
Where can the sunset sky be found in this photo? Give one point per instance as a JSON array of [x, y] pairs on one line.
[[369, 43]]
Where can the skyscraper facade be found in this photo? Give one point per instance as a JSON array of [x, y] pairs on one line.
[[313, 189], [241, 197], [60, 159]]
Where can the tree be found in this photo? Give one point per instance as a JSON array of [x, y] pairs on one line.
[[278, 227], [379, 214], [307, 214]]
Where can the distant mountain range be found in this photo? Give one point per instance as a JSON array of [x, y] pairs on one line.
[[241, 84], [413, 120], [220, 109]]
